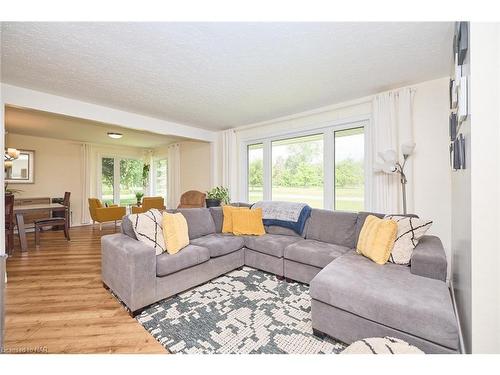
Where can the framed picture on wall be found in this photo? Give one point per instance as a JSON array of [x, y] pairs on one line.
[[22, 170]]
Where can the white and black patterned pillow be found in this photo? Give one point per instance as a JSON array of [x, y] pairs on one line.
[[148, 229], [410, 231]]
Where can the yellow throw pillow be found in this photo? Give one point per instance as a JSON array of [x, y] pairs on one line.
[[227, 211], [175, 232], [376, 239], [248, 222]]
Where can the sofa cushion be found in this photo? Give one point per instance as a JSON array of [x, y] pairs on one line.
[[220, 244], [271, 244], [190, 256], [390, 295], [274, 229], [335, 227], [314, 253], [218, 217], [127, 227], [200, 221]]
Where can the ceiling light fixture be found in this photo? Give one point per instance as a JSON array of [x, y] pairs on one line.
[[115, 135]]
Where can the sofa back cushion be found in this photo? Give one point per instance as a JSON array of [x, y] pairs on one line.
[[273, 229], [218, 217], [199, 220], [335, 227], [127, 227]]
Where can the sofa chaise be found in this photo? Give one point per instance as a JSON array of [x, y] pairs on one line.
[[352, 297]]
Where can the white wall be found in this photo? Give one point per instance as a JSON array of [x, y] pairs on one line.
[[461, 232], [485, 184], [57, 169], [431, 165], [195, 166], [431, 171]]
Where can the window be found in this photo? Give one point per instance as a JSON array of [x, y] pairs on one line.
[[160, 178], [107, 180], [324, 170], [255, 172], [349, 169], [131, 180], [121, 178], [297, 170]]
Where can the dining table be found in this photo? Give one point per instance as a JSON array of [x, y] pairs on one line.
[[20, 210]]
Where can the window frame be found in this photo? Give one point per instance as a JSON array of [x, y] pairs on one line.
[[333, 171], [116, 173], [153, 176], [328, 130]]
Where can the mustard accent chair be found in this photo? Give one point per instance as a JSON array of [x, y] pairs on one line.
[[192, 199], [103, 214], [149, 203]]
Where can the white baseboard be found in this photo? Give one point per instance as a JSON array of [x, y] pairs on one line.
[[460, 334]]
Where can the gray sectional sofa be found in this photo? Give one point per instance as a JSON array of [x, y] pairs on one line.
[[352, 297]]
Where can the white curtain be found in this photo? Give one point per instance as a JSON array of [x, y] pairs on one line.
[[174, 175], [149, 159], [86, 153], [391, 126], [230, 163]]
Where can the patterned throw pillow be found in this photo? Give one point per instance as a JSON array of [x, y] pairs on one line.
[[148, 229], [410, 231]]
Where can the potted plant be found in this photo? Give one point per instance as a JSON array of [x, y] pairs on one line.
[[139, 196], [216, 196]]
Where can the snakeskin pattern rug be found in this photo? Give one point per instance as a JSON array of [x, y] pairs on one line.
[[245, 311]]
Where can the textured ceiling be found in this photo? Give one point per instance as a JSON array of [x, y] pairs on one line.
[[220, 75], [43, 124]]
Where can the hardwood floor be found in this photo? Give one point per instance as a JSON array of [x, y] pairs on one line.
[[55, 301]]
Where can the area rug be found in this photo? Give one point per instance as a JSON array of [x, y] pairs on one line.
[[245, 311], [381, 345]]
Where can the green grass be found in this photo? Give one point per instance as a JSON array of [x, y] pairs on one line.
[[125, 199], [347, 199]]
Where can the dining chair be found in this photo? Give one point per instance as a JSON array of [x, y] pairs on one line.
[[55, 222], [9, 223]]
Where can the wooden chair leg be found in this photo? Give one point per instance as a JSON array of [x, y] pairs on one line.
[[100, 226], [66, 232], [37, 236]]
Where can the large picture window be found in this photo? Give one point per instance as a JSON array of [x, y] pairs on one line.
[[107, 180], [297, 170], [349, 169], [324, 170], [160, 178], [121, 179], [255, 172]]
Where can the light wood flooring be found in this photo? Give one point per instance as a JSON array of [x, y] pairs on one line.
[[55, 300]]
